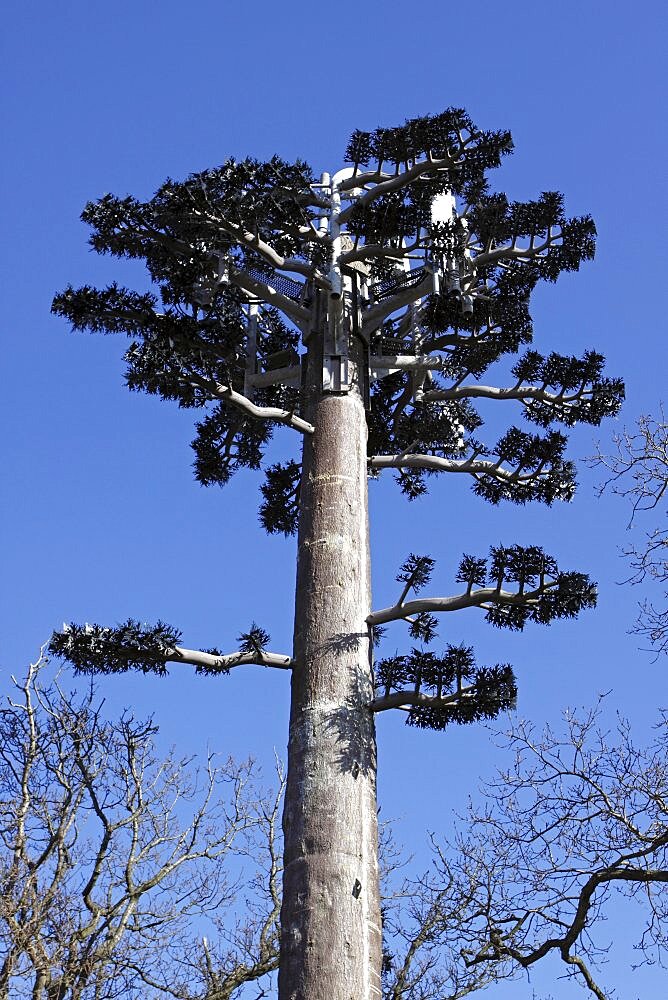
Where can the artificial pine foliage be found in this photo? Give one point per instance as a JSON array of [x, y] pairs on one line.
[[250, 231], [97, 649]]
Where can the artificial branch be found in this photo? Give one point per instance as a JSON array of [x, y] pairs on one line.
[[409, 362], [477, 467], [483, 598], [227, 394], [437, 690], [519, 392], [510, 251], [543, 592], [408, 699], [210, 663], [385, 184], [379, 251], [262, 290], [253, 242], [375, 315], [94, 649]]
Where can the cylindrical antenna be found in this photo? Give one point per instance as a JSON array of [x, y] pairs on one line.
[[323, 222], [251, 350]]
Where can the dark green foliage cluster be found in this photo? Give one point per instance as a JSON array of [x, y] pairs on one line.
[[427, 428], [416, 572], [412, 482], [541, 592], [582, 395], [423, 627], [451, 135], [95, 649], [255, 640], [176, 353], [191, 331], [526, 565], [519, 584], [279, 510], [495, 691], [499, 324], [473, 572], [428, 135], [496, 221], [178, 229], [570, 594], [227, 441], [529, 454], [469, 692], [188, 332]]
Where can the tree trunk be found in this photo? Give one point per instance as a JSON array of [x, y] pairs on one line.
[[330, 922]]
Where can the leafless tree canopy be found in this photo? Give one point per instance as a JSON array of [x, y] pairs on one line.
[[123, 875], [578, 819], [638, 470], [109, 856]]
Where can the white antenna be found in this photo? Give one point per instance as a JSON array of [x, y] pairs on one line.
[[444, 208]]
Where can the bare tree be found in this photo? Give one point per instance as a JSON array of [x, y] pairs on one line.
[[579, 818], [110, 861], [244, 949], [109, 855], [638, 470]]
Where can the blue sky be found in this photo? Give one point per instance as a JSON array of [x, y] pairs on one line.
[[101, 516]]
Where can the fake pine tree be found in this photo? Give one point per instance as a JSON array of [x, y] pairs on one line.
[[361, 311]]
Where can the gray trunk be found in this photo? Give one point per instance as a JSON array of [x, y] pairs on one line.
[[330, 923]]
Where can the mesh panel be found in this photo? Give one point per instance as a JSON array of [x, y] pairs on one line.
[[282, 284], [391, 346], [394, 283]]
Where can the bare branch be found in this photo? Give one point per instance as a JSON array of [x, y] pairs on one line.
[[573, 818], [638, 471], [638, 468], [116, 851]]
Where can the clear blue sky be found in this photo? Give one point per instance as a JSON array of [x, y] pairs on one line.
[[101, 518]]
